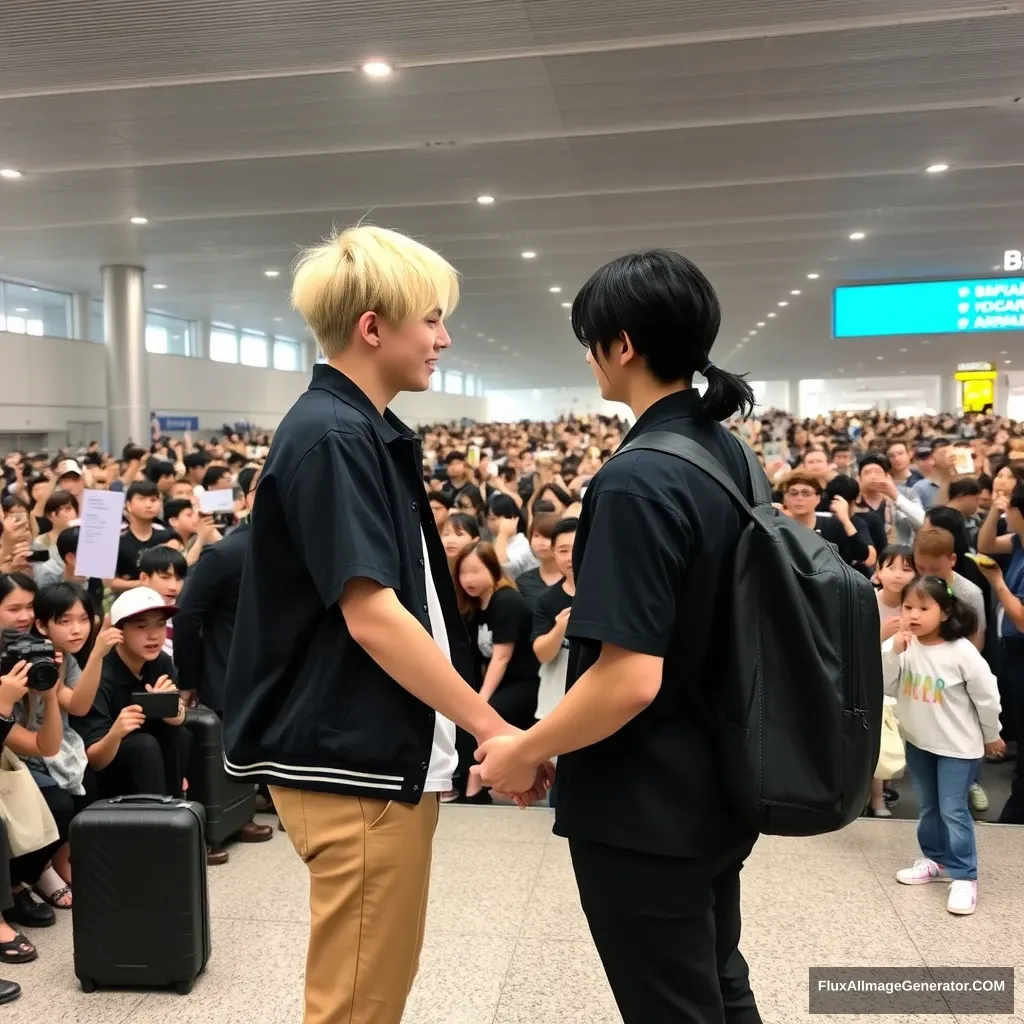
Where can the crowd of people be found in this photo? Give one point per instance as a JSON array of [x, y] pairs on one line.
[[931, 508]]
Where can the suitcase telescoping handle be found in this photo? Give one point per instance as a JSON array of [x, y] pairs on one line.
[[142, 798]]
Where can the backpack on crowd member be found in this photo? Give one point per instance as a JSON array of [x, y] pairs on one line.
[[798, 716]]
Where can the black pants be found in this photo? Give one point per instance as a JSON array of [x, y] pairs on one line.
[[1011, 681], [668, 930], [150, 760]]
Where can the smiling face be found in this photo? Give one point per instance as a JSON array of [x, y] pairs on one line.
[[16, 610], [408, 354]]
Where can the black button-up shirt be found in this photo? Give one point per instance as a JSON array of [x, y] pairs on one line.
[[341, 497], [652, 558]]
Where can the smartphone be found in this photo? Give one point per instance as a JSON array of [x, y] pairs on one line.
[[982, 560], [158, 705], [42, 555]]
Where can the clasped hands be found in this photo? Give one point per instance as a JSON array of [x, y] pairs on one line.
[[505, 767]]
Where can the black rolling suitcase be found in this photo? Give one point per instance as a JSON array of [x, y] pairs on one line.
[[229, 804], [141, 910]]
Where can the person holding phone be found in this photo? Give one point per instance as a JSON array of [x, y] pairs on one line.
[[132, 733]]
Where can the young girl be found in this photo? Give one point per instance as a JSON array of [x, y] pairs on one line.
[[894, 571], [948, 708], [459, 531]]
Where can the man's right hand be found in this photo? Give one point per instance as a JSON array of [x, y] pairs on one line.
[[130, 719]]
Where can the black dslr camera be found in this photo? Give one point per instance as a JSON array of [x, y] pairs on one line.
[[43, 671]]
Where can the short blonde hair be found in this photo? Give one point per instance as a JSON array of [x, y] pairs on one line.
[[367, 268]]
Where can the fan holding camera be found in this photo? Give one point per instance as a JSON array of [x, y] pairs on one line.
[[132, 733]]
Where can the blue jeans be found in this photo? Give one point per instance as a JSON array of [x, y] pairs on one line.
[[945, 830]]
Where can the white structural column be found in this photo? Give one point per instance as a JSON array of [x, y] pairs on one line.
[[81, 317], [124, 324], [948, 397], [201, 339], [794, 399]]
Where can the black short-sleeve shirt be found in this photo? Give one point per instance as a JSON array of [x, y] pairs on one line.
[[340, 497], [130, 548], [652, 561], [553, 600], [506, 620], [117, 684]]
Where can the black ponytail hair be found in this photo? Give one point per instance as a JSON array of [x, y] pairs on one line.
[[960, 622], [671, 314]]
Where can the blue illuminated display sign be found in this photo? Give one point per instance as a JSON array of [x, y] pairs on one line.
[[929, 307]]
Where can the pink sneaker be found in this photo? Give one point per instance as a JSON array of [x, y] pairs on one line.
[[963, 897], [923, 871]]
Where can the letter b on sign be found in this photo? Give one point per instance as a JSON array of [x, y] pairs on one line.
[[1012, 260]]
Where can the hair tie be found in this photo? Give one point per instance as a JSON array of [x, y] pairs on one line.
[[707, 366]]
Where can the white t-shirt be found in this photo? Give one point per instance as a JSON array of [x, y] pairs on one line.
[[443, 758], [947, 701]]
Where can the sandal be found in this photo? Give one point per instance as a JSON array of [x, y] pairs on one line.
[[18, 951], [51, 889]]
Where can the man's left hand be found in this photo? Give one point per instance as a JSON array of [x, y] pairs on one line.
[[504, 768]]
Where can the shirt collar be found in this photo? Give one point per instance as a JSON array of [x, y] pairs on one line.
[[678, 405], [326, 378]]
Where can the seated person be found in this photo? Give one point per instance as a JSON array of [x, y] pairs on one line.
[[164, 569], [129, 752]]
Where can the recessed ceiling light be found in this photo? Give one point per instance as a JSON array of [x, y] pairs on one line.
[[9, 172], [813, 277], [795, 291], [490, 341], [772, 316], [856, 236], [566, 305], [21, 309], [555, 289], [377, 68], [937, 168], [783, 303], [528, 255], [504, 348], [35, 289], [753, 332], [277, 319], [159, 287], [485, 200], [904, 350], [139, 220], [1006, 362], [760, 323], [879, 358], [479, 334], [1005, 352], [271, 273], [926, 342]]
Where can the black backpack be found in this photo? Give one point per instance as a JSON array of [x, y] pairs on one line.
[[798, 717]]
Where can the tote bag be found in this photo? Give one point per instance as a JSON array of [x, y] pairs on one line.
[[26, 816], [892, 757]]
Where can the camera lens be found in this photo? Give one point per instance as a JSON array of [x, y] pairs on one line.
[[43, 675]]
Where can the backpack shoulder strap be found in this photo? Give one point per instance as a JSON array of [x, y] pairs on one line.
[[698, 456]]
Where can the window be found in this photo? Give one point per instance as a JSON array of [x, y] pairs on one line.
[[452, 382], [168, 335], [97, 329], [223, 344], [25, 309], [436, 380], [286, 355], [470, 384], [254, 349]]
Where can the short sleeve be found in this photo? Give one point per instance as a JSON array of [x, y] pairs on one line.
[[543, 616], [631, 573], [339, 516], [508, 613], [97, 721]]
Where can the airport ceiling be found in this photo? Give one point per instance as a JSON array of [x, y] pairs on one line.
[[753, 135]]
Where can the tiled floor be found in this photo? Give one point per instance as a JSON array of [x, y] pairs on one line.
[[507, 943]]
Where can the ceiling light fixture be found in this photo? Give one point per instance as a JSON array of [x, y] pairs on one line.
[[490, 341], [9, 172], [795, 291], [139, 220], [857, 236], [753, 332], [879, 358], [566, 305], [277, 319], [1006, 362], [555, 289], [760, 323], [783, 303], [772, 316], [485, 200], [813, 277], [937, 168], [528, 255], [271, 273], [21, 309], [159, 287], [377, 69]]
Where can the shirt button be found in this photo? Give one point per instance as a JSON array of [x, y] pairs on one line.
[[422, 562], [424, 766], [415, 789], [414, 506], [425, 608]]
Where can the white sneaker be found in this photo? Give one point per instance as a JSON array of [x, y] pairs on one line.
[[923, 871], [978, 798], [963, 897]]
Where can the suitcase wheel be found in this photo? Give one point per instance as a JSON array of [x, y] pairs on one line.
[[88, 985], [184, 987]]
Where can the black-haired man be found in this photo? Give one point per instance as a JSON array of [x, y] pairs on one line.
[[142, 506], [459, 480], [938, 475]]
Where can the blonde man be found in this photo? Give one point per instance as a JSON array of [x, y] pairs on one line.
[[350, 659]]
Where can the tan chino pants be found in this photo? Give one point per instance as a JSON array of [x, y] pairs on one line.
[[369, 872]]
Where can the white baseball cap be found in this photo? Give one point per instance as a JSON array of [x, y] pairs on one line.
[[139, 601], [68, 468]]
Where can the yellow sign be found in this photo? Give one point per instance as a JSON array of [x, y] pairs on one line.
[[977, 390]]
